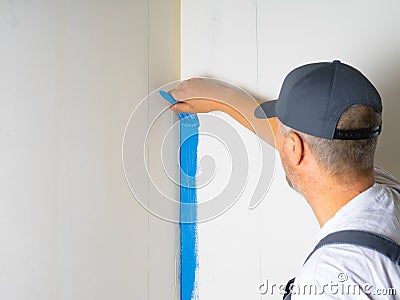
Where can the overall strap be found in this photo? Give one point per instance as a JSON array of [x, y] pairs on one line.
[[365, 239]]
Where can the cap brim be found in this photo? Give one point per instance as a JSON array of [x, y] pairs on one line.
[[266, 110]]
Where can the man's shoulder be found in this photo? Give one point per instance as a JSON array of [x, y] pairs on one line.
[[346, 256], [384, 177], [343, 266]]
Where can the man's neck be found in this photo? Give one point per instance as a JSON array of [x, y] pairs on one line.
[[332, 194]]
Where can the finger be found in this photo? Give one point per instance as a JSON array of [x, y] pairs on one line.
[[181, 107]]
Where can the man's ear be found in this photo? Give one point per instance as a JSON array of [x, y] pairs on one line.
[[295, 149]]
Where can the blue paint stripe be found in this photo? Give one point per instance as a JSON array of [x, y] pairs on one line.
[[188, 213], [189, 139]]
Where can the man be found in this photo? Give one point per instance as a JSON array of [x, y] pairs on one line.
[[325, 125]]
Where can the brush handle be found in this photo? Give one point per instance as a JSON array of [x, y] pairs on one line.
[[167, 97]]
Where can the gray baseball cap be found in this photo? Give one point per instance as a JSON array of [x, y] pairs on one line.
[[314, 96]]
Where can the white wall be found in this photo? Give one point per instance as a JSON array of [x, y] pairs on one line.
[[255, 44], [71, 72]]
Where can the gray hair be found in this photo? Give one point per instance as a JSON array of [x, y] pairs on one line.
[[339, 157]]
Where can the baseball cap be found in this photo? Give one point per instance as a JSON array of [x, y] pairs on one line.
[[314, 96]]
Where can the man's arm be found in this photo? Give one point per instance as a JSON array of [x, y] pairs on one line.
[[198, 95]]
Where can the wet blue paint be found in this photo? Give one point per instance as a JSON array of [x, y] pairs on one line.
[[189, 140]]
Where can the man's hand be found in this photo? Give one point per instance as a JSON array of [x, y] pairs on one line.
[[198, 95]]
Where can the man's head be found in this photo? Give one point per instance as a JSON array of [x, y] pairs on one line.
[[329, 119], [342, 159]]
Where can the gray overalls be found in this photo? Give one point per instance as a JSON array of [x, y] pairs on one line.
[[360, 238]]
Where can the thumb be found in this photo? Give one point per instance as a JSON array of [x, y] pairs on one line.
[[181, 107]]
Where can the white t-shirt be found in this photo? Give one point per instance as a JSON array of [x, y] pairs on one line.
[[354, 272]]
